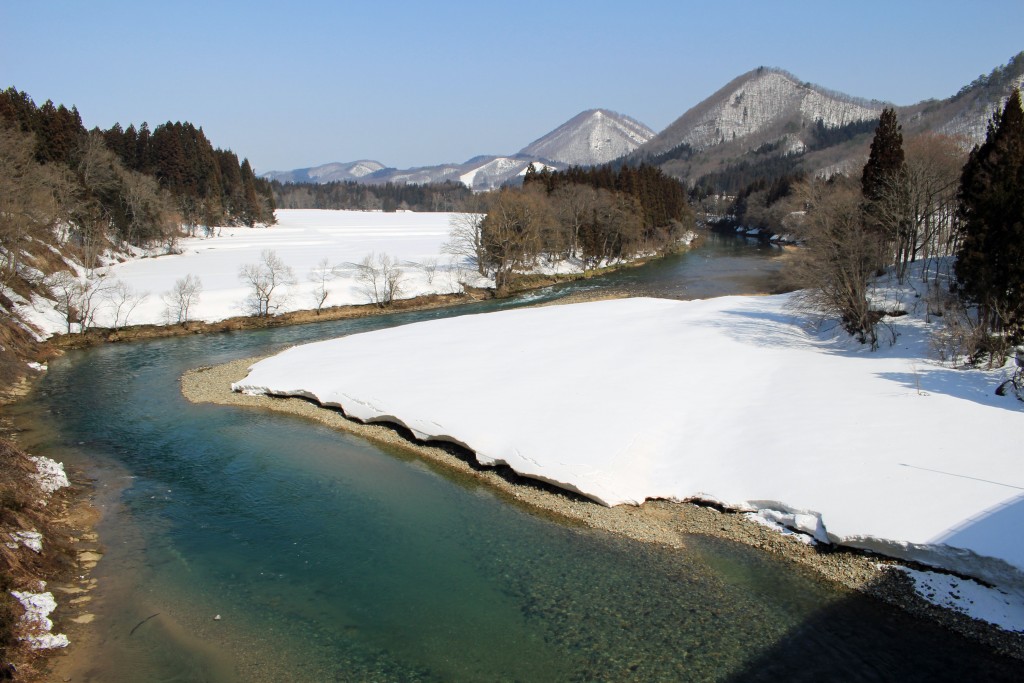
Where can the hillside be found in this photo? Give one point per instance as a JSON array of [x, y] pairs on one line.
[[327, 173], [767, 123], [590, 138]]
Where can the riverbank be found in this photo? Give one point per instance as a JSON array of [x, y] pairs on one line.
[[661, 522]]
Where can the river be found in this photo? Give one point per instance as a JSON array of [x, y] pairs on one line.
[[243, 546]]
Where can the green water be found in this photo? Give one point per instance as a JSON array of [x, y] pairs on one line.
[[331, 559]]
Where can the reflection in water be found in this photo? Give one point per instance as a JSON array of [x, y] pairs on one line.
[[329, 558]]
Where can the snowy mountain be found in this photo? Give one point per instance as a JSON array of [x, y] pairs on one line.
[[768, 122], [327, 173], [967, 113], [596, 136], [593, 137], [763, 104]]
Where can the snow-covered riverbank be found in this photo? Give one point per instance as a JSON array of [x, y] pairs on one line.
[[732, 400]]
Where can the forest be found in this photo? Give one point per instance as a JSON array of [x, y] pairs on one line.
[[350, 195], [596, 215], [134, 184]]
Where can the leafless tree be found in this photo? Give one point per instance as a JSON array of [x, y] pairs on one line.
[[28, 207], [465, 239], [124, 300], [511, 232], [916, 205], [78, 299], [380, 278], [841, 255], [266, 280], [574, 206], [320, 275], [182, 298], [429, 268]]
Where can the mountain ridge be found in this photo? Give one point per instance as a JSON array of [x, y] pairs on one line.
[[763, 121]]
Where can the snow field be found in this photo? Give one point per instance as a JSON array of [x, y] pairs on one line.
[[301, 238]]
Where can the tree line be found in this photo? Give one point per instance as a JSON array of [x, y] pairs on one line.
[[135, 182], [348, 194], [588, 215]]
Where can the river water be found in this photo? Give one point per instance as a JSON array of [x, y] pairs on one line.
[[331, 559]]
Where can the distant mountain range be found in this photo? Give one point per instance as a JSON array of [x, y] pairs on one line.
[[764, 122], [592, 137]]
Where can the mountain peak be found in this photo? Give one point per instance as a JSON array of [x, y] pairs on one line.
[[594, 136], [764, 102]]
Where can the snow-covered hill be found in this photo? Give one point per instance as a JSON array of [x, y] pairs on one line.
[[765, 104], [592, 137], [327, 173]]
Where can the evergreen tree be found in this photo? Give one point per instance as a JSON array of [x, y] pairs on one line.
[[886, 156], [990, 262]]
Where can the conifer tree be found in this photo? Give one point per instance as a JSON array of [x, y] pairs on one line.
[[886, 156], [990, 262]]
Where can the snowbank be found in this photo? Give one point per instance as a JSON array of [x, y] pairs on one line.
[[730, 399]]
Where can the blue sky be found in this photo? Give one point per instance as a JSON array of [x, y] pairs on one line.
[[417, 83]]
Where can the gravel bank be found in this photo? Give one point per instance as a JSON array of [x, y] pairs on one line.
[[663, 522]]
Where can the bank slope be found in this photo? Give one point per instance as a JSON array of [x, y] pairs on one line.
[[732, 400]]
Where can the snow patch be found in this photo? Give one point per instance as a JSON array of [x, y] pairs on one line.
[[36, 620], [50, 474], [33, 540], [999, 607]]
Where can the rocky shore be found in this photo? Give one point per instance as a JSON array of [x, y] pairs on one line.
[[662, 522]]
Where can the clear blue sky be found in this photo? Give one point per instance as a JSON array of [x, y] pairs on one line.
[[418, 83]]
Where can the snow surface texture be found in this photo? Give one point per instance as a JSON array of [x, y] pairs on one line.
[[591, 138], [730, 400], [36, 620], [968, 597], [50, 474], [301, 239]]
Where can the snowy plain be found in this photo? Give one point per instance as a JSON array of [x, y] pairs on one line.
[[736, 400], [301, 238]]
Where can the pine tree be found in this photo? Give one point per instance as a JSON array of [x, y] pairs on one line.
[[990, 262], [886, 156]]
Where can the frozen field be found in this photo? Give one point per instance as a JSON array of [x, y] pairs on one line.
[[301, 238]]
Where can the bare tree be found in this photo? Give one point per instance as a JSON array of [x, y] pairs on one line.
[[574, 205], [182, 298], [915, 205], [266, 280], [28, 208], [320, 275], [380, 278], [511, 232], [78, 300], [124, 301], [429, 268], [465, 239], [840, 257]]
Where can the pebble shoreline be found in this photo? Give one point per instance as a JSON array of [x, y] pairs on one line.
[[656, 521]]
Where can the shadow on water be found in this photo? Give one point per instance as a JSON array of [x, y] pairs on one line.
[[906, 649]]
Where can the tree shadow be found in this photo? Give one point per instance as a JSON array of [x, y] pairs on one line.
[[830, 646], [955, 383]]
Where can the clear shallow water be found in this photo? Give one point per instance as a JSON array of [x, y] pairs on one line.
[[329, 558]]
